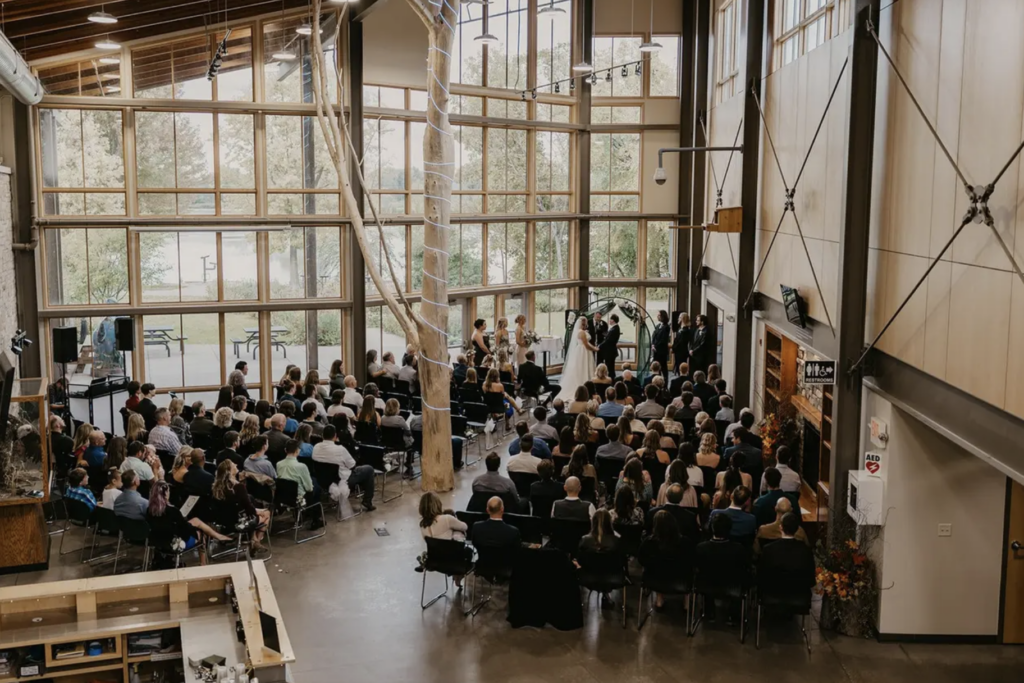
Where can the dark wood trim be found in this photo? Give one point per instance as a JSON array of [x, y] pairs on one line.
[[688, 98], [586, 8], [25, 275], [702, 104], [357, 267]]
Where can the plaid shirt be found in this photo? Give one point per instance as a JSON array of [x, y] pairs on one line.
[[82, 494]]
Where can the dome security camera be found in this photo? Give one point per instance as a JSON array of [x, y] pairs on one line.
[[659, 176]]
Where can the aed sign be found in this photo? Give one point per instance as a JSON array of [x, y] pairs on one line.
[[873, 463]]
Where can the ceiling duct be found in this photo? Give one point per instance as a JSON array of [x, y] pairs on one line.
[[16, 76]]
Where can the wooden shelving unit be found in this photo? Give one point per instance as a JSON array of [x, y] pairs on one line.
[[779, 370]]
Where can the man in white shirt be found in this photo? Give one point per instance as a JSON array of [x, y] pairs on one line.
[[352, 397], [525, 460], [739, 423], [408, 371], [162, 438], [791, 481], [542, 430], [389, 367], [136, 449], [332, 452], [650, 409]]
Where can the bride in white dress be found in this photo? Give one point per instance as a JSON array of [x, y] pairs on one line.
[[579, 365]]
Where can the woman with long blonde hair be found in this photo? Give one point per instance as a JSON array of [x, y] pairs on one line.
[[228, 488], [250, 430], [136, 429], [708, 455], [493, 385], [521, 346], [582, 432], [601, 375]]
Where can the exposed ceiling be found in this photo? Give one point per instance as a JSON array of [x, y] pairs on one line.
[[48, 28]]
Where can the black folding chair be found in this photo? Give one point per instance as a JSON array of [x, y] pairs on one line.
[[522, 480], [603, 572], [476, 420], [780, 595], [667, 578], [494, 565], [402, 398], [78, 515], [451, 558], [133, 532], [105, 523], [565, 534], [469, 519], [368, 433], [531, 529], [393, 441], [385, 383], [374, 457], [287, 498]]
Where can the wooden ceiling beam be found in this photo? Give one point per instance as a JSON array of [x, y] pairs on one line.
[[43, 51], [128, 15]]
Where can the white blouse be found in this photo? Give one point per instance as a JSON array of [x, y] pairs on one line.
[[445, 527]]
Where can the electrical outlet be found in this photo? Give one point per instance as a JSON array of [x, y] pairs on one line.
[[945, 530]]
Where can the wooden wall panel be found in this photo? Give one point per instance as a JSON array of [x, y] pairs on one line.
[[937, 323], [976, 360], [833, 139], [905, 338], [947, 122], [1015, 363]]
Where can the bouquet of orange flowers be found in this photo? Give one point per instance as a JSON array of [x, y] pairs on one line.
[[769, 432], [846, 573]]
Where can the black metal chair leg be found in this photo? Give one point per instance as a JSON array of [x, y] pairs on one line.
[[803, 630], [757, 631], [743, 619], [423, 591]]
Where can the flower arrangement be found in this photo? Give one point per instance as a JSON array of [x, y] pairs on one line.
[[768, 429], [531, 338], [631, 312], [847, 579], [846, 573]]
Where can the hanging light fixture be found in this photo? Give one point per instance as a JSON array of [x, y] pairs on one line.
[[102, 17], [650, 45], [551, 12], [283, 56], [487, 39], [110, 60], [108, 44], [625, 71], [305, 30], [639, 69], [558, 88], [113, 88], [583, 67]]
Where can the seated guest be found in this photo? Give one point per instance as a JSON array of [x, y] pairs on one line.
[[678, 474], [566, 443], [135, 460], [727, 480], [258, 461], [277, 438], [352, 397], [742, 453], [303, 436], [61, 444], [688, 455], [330, 451], [336, 375], [579, 401], [117, 451], [622, 396], [393, 419], [684, 407], [228, 488], [714, 404], [560, 419], [650, 409], [596, 423], [744, 524], [160, 436], [222, 423], [664, 550], [787, 564], [525, 460], [538, 447], [663, 397], [291, 469], [665, 441], [201, 425], [291, 425], [492, 482], [166, 522], [197, 481], [493, 532], [533, 381], [725, 412], [547, 487], [289, 395], [602, 376], [764, 506], [627, 375], [637, 478], [238, 406], [224, 397], [230, 450], [147, 408], [571, 507], [702, 390], [113, 488], [791, 480], [655, 371], [309, 418], [236, 380], [313, 379], [615, 449], [635, 425], [610, 409], [669, 422], [686, 518], [579, 466], [541, 429], [408, 372], [601, 539], [626, 511], [459, 369], [78, 488], [96, 452], [389, 366], [436, 522], [772, 532], [250, 430], [373, 369], [311, 396], [338, 404], [180, 466], [707, 455], [132, 404], [651, 449], [722, 561], [130, 504], [582, 432]]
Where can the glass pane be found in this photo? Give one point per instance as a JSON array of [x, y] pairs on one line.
[[287, 264], [552, 251], [506, 159], [108, 266], [234, 80], [485, 311], [628, 328], [289, 334], [624, 202], [600, 162], [81, 148], [175, 70], [547, 203], [506, 249], [154, 149], [163, 344], [198, 255], [467, 54], [507, 61], [465, 265], [237, 149], [664, 66], [554, 45], [88, 78], [658, 299], [193, 137], [625, 155], [241, 338], [549, 312], [102, 153], [239, 265], [196, 204], [201, 356], [599, 249], [157, 204], [238, 204], [659, 249], [328, 341], [469, 152], [160, 283], [610, 52], [622, 249], [104, 204], [790, 14], [553, 158], [284, 152], [287, 61], [67, 280]]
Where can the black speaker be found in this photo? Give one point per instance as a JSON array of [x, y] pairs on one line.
[[124, 333], [65, 344]]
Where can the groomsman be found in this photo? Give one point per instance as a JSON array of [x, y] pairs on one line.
[[598, 330]]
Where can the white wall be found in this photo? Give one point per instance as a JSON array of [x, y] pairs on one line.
[[395, 47], [936, 585]]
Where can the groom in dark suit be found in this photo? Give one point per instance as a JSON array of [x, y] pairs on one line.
[[608, 349]]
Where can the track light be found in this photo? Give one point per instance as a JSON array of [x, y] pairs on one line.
[[487, 39], [572, 85], [558, 89], [108, 45], [102, 18], [583, 67], [593, 79], [534, 93], [625, 72], [608, 76], [639, 69], [522, 96]]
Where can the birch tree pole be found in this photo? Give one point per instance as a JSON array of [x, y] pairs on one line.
[[427, 329]]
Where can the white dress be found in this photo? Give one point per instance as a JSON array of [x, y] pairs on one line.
[[579, 366]]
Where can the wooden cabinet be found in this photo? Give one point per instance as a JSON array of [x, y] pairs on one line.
[[779, 370]]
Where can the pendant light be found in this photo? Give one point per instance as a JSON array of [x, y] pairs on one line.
[[108, 44], [583, 67], [651, 46], [551, 12], [487, 39], [102, 17]]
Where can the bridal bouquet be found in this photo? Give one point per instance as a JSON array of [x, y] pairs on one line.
[[531, 338]]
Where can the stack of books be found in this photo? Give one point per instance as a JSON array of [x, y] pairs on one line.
[[68, 651]]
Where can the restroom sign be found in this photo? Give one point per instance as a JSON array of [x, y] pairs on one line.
[[820, 372], [873, 463]]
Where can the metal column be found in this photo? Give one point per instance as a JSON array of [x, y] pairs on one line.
[[688, 99], [702, 103], [25, 261], [583, 156], [853, 255], [747, 258], [357, 268]]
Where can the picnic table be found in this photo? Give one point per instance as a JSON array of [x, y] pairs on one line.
[[252, 338], [162, 336]]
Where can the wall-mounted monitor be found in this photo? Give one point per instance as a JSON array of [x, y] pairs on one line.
[[796, 308]]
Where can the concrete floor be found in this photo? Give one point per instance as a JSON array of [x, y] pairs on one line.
[[351, 606]]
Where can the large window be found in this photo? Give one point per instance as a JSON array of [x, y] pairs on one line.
[[507, 61], [613, 249], [551, 251], [802, 25], [664, 67], [612, 51], [178, 70], [726, 30], [82, 162], [90, 266], [554, 44], [615, 171], [300, 174], [506, 253]]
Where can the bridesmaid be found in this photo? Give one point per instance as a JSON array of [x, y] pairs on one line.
[[501, 340], [521, 347], [480, 350]]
